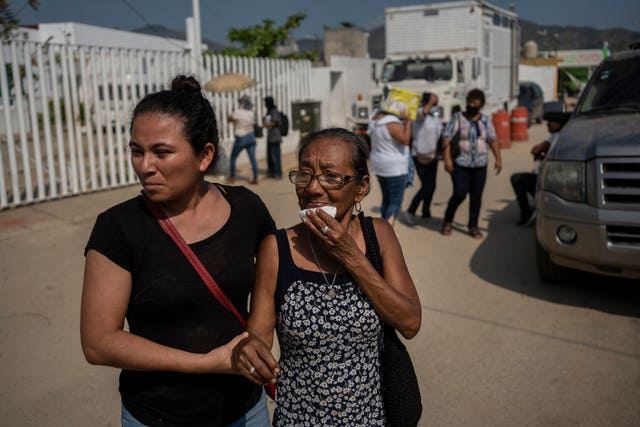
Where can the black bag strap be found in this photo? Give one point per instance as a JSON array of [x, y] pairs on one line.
[[373, 254], [371, 242]]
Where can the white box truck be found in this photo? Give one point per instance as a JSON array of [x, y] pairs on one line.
[[450, 48]]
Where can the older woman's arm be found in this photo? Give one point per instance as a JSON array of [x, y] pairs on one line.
[[105, 296], [394, 296], [255, 350]]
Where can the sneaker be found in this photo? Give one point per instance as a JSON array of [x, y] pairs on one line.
[[254, 181]]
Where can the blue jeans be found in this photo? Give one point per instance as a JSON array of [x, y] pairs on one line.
[[392, 193], [246, 142], [466, 181], [427, 175], [258, 416], [274, 163]]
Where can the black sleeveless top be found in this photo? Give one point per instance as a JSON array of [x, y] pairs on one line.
[[330, 340]]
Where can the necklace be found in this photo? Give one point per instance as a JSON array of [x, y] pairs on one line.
[[331, 292]]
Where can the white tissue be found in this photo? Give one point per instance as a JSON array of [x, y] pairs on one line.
[[331, 210]]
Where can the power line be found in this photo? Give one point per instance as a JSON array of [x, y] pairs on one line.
[[149, 26]]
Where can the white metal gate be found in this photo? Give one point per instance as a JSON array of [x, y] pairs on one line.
[[65, 110]]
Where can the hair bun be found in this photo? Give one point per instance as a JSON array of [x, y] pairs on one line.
[[185, 84]]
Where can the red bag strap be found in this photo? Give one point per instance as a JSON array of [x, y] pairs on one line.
[[171, 230]]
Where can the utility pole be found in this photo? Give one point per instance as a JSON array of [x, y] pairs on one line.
[[194, 38]]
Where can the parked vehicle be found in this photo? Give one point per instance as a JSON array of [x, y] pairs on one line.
[[358, 120], [588, 207], [448, 49], [532, 97]]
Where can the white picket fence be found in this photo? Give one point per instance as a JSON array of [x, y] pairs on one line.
[[66, 110]]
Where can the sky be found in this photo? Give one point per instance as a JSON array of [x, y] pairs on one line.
[[218, 16]]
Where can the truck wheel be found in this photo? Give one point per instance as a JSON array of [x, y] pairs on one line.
[[547, 270]]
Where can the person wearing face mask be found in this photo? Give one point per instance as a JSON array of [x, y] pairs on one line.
[[465, 141], [426, 130]]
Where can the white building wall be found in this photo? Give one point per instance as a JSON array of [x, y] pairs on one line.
[[320, 88], [545, 75], [357, 74]]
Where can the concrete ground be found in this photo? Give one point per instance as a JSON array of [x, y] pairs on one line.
[[497, 347]]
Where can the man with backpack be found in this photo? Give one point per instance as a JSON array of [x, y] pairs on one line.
[[277, 125]]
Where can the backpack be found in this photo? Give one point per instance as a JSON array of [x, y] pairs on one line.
[[284, 124]]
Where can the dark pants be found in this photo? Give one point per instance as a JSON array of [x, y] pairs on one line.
[[427, 175], [523, 184], [274, 162], [466, 181]]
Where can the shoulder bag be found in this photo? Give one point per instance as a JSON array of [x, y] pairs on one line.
[[257, 130], [455, 139], [193, 259], [400, 390]]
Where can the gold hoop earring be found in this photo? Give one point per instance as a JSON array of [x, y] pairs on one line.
[[358, 207]]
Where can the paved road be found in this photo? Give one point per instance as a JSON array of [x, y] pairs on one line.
[[498, 347]]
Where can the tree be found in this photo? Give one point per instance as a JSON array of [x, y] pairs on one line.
[[261, 40], [9, 18]]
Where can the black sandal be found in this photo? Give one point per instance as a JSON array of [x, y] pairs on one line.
[[475, 233]]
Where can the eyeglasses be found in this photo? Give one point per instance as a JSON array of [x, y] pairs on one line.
[[326, 180]]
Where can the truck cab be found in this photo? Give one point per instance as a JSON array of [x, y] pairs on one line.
[[588, 206], [443, 75]]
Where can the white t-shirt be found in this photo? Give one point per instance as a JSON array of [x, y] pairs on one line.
[[426, 131], [388, 157], [244, 120]]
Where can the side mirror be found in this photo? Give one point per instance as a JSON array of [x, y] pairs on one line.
[[476, 67]]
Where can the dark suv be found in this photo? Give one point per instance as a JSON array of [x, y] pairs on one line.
[[589, 200]]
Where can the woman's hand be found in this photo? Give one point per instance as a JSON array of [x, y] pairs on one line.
[[337, 240], [498, 166], [448, 165], [252, 358], [446, 155]]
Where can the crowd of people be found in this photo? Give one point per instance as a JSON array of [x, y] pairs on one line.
[[179, 262]]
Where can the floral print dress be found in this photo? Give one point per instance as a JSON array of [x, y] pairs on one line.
[[330, 339]]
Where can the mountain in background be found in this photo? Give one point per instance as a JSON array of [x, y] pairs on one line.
[[576, 37], [567, 38], [162, 31]]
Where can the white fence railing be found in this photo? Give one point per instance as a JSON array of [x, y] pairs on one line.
[[65, 110]]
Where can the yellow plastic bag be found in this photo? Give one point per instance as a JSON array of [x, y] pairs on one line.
[[400, 100]]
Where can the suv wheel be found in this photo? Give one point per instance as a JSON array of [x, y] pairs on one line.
[[547, 269]]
